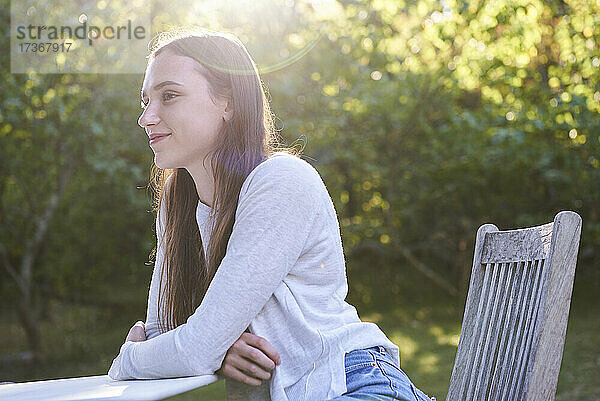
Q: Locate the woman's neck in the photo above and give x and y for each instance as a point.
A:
(204, 183)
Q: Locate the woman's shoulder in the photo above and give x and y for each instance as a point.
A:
(285, 170)
(284, 163)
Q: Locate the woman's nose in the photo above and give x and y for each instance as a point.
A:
(148, 117)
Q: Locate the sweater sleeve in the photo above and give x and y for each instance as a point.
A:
(151, 323)
(273, 219)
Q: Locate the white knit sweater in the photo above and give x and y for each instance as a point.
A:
(283, 278)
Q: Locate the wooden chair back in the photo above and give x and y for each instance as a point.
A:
(515, 319)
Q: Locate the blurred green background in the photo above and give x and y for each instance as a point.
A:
(424, 118)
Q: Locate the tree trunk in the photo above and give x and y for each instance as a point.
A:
(27, 317)
(24, 278)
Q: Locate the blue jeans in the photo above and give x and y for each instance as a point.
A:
(371, 374)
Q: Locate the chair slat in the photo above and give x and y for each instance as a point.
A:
(533, 320)
(526, 334)
(472, 355)
(520, 279)
(485, 323)
(514, 339)
(483, 378)
(504, 333)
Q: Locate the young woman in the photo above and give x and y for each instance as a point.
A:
(249, 279)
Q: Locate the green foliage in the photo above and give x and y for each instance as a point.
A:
(78, 129)
(429, 119)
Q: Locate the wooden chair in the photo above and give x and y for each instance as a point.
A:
(515, 320)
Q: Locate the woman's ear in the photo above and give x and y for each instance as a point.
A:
(228, 113)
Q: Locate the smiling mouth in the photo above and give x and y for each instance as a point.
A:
(156, 138)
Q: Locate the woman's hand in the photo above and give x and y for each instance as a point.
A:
(250, 359)
(137, 332)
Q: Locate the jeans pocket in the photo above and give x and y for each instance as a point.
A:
(362, 372)
(357, 359)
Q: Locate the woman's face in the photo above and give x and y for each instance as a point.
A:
(180, 117)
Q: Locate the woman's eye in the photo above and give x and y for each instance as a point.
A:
(168, 96)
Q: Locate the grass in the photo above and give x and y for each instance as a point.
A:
(82, 341)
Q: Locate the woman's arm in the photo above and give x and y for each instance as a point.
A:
(152, 310)
(273, 219)
(249, 360)
(151, 323)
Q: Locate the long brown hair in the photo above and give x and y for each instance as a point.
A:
(242, 143)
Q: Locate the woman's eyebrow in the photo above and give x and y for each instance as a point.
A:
(160, 85)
